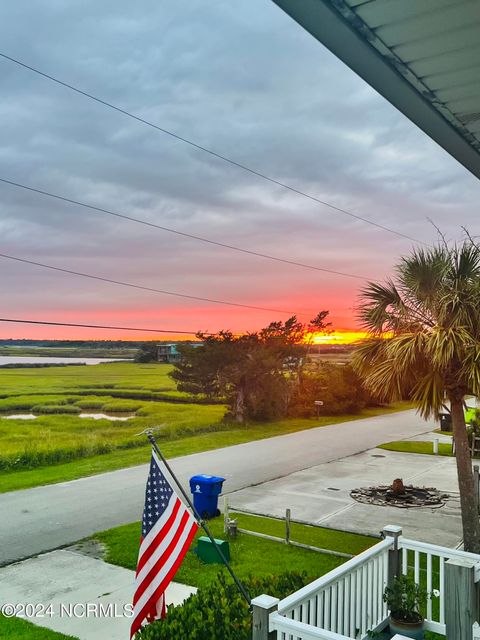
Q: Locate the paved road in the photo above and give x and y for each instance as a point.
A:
(44, 518)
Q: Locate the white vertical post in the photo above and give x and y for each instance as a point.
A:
(262, 607)
(476, 631)
(394, 567)
(226, 515)
(435, 446)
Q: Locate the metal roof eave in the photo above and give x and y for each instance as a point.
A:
(328, 26)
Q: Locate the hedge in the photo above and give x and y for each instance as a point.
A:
(219, 611)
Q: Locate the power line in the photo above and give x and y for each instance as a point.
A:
(96, 326)
(204, 149)
(116, 214)
(143, 288)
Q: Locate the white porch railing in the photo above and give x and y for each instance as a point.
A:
(426, 563)
(347, 603)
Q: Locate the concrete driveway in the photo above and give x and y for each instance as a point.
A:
(321, 494)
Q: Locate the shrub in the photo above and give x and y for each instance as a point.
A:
(338, 386)
(219, 612)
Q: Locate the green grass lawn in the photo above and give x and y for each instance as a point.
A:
(18, 629)
(321, 537)
(417, 446)
(60, 445)
(249, 555)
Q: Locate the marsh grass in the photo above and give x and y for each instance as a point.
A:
(59, 437)
(55, 408)
(121, 406)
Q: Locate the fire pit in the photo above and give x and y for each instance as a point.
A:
(399, 495)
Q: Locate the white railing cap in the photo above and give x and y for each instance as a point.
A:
(392, 530)
(435, 549)
(264, 601)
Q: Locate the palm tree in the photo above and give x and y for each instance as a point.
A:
(424, 338)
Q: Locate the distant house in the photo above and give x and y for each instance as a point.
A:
(169, 353)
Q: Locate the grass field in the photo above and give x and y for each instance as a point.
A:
(249, 555)
(59, 445)
(58, 395)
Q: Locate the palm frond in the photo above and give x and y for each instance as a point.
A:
(470, 369)
(429, 393)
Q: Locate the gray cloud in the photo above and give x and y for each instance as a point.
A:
(244, 80)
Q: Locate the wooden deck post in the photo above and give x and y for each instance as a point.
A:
(394, 563)
(461, 598)
(262, 607)
(476, 481)
(287, 526)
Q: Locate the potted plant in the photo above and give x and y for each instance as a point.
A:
(405, 599)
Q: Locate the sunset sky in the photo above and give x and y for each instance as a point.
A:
(246, 81)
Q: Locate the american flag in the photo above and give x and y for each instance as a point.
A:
(167, 531)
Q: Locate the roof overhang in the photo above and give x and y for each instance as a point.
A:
(354, 36)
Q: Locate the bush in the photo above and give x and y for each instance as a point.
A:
(338, 386)
(219, 611)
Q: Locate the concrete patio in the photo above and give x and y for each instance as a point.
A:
(321, 494)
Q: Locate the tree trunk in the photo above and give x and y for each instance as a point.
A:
(239, 404)
(468, 502)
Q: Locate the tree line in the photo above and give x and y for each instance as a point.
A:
(266, 374)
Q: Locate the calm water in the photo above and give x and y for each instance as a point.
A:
(53, 359)
(95, 416)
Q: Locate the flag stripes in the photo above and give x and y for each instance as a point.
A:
(167, 532)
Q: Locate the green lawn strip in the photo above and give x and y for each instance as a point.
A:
(19, 629)
(24, 479)
(249, 555)
(417, 446)
(314, 536)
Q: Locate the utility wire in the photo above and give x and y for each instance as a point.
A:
(116, 214)
(143, 288)
(96, 326)
(200, 147)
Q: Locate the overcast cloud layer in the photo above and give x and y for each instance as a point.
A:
(245, 80)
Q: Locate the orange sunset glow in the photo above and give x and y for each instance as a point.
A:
(338, 337)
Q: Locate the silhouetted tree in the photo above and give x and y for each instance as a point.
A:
(254, 373)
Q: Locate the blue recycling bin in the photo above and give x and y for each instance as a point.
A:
(205, 490)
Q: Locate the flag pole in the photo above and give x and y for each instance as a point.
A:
(201, 522)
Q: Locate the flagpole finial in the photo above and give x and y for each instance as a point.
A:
(149, 431)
